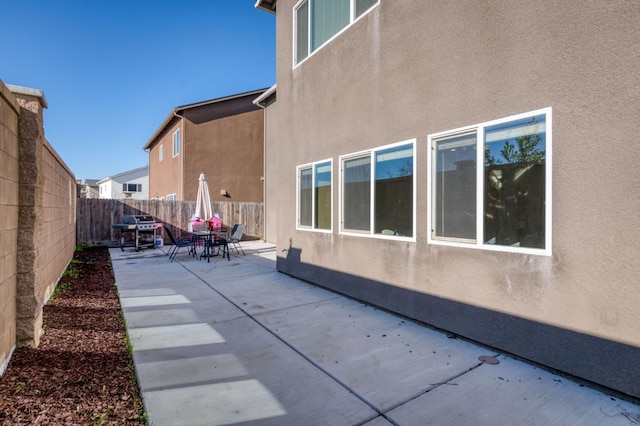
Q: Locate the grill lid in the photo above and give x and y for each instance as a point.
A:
(131, 219)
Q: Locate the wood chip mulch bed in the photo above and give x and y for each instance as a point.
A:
(82, 373)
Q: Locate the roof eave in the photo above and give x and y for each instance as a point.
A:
(160, 129)
(266, 5)
(177, 112)
(263, 100)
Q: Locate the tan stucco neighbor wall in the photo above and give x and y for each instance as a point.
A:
(9, 189)
(229, 150)
(165, 176)
(413, 68)
(222, 138)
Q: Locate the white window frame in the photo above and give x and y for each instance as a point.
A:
(372, 181)
(171, 197)
(126, 187)
(352, 19)
(161, 152)
(176, 143)
(480, 190)
(313, 197)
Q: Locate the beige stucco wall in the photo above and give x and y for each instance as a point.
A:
(272, 165)
(412, 68)
(9, 178)
(230, 151)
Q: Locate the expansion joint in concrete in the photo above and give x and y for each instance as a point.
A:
(296, 350)
(433, 386)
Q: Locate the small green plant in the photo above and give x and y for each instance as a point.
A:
(21, 386)
(126, 335)
(63, 286)
(104, 388)
(98, 418)
(140, 413)
(71, 272)
(81, 247)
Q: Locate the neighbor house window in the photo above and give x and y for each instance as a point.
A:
(317, 21)
(171, 197)
(160, 152)
(176, 142)
(491, 184)
(314, 196)
(378, 191)
(131, 187)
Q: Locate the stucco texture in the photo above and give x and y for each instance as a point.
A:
(413, 68)
(230, 151)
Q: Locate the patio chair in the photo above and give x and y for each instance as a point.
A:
(176, 244)
(218, 244)
(236, 237)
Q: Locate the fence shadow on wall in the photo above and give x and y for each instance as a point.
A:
(95, 217)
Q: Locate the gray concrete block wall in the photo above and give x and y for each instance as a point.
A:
(58, 242)
(29, 299)
(8, 222)
(37, 224)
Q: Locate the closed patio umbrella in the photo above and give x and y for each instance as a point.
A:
(203, 201)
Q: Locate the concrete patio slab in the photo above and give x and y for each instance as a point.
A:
(384, 359)
(235, 342)
(513, 393)
(378, 421)
(240, 372)
(160, 292)
(268, 290)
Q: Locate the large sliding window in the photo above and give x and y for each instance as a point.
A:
(491, 185)
(317, 21)
(378, 191)
(315, 195)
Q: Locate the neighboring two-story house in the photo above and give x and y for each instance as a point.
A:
(471, 165)
(133, 184)
(222, 138)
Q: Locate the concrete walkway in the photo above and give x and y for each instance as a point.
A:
(236, 342)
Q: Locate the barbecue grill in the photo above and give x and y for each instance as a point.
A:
(143, 228)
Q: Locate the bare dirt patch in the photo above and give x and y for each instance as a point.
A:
(82, 372)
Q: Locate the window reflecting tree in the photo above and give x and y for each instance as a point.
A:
(515, 183)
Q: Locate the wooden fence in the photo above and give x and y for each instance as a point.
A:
(95, 217)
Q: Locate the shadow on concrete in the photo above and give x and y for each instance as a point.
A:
(599, 361)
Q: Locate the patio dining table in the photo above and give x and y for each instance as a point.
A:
(210, 239)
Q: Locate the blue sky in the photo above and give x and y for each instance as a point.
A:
(111, 71)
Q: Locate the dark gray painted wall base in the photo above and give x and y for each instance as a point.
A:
(604, 362)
